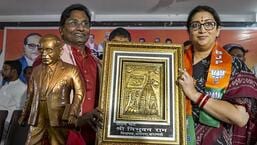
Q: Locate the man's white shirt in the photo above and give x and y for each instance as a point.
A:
(12, 97)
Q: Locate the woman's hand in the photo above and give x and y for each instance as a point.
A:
(187, 83)
(244, 115)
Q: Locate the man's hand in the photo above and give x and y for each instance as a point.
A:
(93, 119)
(70, 122)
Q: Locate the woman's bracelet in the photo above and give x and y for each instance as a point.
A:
(199, 100)
(204, 101)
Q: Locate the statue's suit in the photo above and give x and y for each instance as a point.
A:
(49, 93)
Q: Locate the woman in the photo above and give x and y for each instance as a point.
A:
(221, 92)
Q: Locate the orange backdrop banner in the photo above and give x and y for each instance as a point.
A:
(14, 37)
(247, 37)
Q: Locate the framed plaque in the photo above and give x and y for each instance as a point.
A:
(140, 100)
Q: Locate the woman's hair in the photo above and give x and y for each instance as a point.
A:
(203, 9)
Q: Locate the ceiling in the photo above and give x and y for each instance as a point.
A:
(126, 10)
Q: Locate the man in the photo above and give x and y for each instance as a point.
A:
(102, 45)
(13, 92)
(141, 40)
(187, 44)
(120, 35)
(27, 72)
(48, 100)
(168, 41)
(236, 50)
(254, 70)
(31, 44)
(75, 30)
(157, 40)
(1, 65)
(92, 45)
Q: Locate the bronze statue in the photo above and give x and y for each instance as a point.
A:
(48, 97)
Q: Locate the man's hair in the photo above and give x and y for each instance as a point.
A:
(120, 32)
(187, 43)
(25, 41)
(168, 39)
(66, 13)
(231, 46)
(141, 38)
(14, 64)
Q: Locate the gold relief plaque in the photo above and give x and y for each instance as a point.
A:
(142, 91)
(140, 100)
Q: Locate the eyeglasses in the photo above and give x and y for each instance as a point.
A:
(33, 46)
(207, 26)
(47, 50)
(75, 23)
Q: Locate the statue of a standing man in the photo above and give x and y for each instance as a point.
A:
(49, 91)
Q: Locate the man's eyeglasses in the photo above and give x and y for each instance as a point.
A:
(207, 25)
(75, 23)
(32, 45)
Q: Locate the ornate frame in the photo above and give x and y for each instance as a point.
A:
(140, 100)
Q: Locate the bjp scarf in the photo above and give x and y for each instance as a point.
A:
(218, 77)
